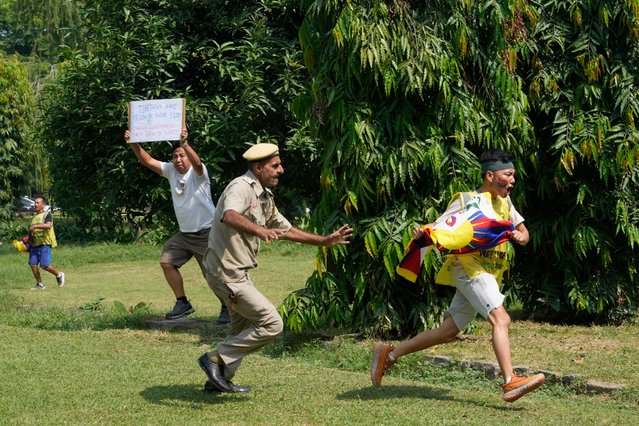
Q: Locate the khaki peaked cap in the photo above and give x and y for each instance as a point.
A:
(260, 151)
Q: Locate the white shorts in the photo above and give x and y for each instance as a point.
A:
(474, 295)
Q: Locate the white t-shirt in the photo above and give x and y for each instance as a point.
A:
(191, 194)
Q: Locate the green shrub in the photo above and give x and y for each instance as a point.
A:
(92, 315)
(12, 230)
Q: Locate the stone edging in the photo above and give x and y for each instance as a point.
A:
(490, 369)
(492, 372)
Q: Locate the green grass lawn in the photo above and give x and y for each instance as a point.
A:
(64, 365)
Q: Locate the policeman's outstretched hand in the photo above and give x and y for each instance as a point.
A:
(340, 236)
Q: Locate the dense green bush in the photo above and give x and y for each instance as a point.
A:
(395, 100)
(237, 64)
(12, 230)
(16, 113)
(582, 182)
(405, 95)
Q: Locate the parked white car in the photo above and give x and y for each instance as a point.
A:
(28, 205)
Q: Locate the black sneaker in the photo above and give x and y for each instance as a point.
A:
(224, 317)
(180, 309)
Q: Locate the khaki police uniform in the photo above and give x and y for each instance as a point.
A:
(232, 254)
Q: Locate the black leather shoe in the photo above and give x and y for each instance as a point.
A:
(213, 373)
(209, 387)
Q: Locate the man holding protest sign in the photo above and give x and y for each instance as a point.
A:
(194, 210)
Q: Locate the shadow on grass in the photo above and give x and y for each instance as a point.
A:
(98, 315)
(210, 333)
(290, 343)
(174, 395)
(389, 392)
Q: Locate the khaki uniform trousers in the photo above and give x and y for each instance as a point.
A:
(254, 321)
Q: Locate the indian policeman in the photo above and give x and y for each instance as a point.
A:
(246, 214)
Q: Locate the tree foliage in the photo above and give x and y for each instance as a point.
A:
(582, 187)
(39, 27)
(16, 108)
(34, 30)
(403, 97)
(237, 64)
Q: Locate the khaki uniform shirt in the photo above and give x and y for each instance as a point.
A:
(231, 254)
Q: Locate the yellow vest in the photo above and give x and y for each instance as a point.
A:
(493, 260)
(42, 237)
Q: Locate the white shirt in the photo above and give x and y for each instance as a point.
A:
(191, 194)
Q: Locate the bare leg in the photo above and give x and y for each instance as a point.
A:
(51, 270)
(442, 334)
(36, 273)
(174, 278)
(500, 322)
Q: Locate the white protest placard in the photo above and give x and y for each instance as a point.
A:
(156, 120)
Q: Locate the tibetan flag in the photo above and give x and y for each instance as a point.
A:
(472, 229)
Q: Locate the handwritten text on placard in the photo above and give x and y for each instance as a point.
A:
(156, 120)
